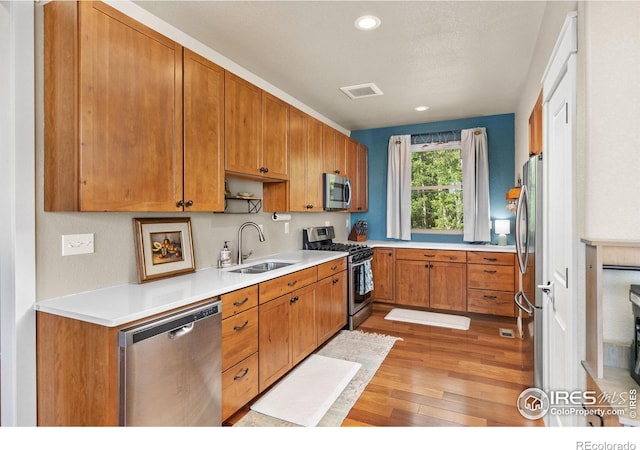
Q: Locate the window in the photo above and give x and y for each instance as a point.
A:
(436, 187)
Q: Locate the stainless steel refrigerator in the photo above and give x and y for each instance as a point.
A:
(528, 236)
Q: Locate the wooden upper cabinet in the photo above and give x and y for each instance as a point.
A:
(334, 153)
(257, 126)
(535, 128)
(275, 137)
(203, 134)
(243, 126)
(351, 156)
(305, 183)
(113, 112)
(358, 172)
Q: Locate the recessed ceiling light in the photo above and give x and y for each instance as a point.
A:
(367, 23)
(421, 108)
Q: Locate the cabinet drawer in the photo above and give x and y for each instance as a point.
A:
(288, 283)
(502, 259)
(490, 302)
(431, 255)
(494, 278)
(239, 337)
(239, 385)
(237, 301)
(332, 267)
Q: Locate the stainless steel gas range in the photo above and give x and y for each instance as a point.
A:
(360, 284)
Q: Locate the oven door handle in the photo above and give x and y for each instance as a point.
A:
(360, 263)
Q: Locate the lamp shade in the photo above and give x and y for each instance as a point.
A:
(503, 226)
(513, 193)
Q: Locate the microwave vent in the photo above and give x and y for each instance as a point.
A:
(361, 91)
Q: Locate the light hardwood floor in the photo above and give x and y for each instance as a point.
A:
(444, 377)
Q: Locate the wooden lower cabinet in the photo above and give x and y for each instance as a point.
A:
(239, 385)
(383, 266)
(432, 284)
(491, 283)
(287, 333)
(331, 306)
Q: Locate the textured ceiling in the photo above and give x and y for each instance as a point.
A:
(462, 59)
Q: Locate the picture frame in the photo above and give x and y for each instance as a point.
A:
(164, 247)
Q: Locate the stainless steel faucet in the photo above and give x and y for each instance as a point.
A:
(242, 227)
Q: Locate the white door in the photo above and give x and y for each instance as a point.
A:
(560, 309)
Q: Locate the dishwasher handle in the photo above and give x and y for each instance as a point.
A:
(178, 332)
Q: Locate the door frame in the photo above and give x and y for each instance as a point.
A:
(17, 226)
(563, 63)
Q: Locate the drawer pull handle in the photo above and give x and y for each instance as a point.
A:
(334, 267)
(490, 297)
(490, 271)
(241, 376)
(490, 259)
(429, 256)
(294, 299)
(336, 280)
(292, 283)
(240, 327)
(241, 302)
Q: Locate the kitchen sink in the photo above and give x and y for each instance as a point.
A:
(262, 267)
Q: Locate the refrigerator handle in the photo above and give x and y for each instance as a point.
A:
(522, 251)
(529, 307)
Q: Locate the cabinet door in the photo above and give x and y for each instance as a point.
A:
(412, 283)
(314, 165)
(340, 160)
(130, 114)
(275, 140)
(298, 160)
(448, 286)
(383, 274)
(203, 134)
(303, 323)
(331, 305)
(243, 126)
(362, 179)
(328, 149)
(535, 128)
(274, 340)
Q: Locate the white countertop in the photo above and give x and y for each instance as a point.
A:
(117, 305)
(441, 246)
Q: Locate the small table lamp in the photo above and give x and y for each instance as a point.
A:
(503, 227)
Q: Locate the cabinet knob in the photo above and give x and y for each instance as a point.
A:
(264, 169)
(294, 299)
(180, 203)
(309, 206)
(336, 280)
(189, 203)
(337, 172)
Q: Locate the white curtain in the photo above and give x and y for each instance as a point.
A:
(399, 188)
(475, 185)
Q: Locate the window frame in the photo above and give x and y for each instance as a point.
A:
(432, 147)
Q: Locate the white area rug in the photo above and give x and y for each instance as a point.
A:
(429, 318)
(306, 393)
(367, 349)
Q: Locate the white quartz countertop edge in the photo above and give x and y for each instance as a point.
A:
(117, 305)
(441, 246)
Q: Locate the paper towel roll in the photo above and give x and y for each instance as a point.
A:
(280, 217)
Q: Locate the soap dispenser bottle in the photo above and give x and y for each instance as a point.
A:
(225, 255)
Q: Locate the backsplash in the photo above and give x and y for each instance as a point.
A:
(114, 260)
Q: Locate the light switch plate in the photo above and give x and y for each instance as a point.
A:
(77, 244)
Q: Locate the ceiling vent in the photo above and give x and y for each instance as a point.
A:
(361, 91)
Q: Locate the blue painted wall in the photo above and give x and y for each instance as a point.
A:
(501, 142)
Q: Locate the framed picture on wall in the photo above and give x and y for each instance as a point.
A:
(164, 248)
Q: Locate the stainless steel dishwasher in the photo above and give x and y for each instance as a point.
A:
(171, 368)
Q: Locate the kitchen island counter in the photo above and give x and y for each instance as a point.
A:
(116, 305)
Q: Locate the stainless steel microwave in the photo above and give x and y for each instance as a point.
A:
(337, 192)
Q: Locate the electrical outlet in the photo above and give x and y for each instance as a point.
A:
(346, 224)
(77, 244)
(286, 228)
(327, 223)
